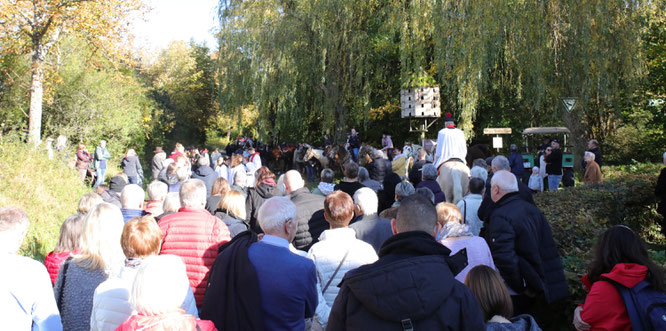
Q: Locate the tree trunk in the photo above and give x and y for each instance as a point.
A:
(577, 139)
(36, 97)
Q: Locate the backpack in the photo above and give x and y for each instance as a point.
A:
(646, 307)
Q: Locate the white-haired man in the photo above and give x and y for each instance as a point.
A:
(523, 248)
(205, 173)
(487, 206)
(251, 274)
(194, 234)
(131, 200)
(310, 217)
(26, 298)
(157, 192)
(593, 147)
(592, 169)
(369, 226)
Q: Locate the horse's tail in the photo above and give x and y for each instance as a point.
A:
(457, 185)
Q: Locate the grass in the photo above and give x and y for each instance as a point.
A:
(47, 190)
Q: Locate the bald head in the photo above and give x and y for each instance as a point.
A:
(293, 181)
(416, 213)
(502, 183)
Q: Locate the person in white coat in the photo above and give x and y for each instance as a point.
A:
(141, 238)
(451, 143)
(337, 251)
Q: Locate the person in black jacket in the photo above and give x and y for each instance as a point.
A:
(379, 168)
(354, 144)
(553, 160)
(232, 212)
(310, 217)
(350, 183)
(487, 205)
(660, 192)
(264, 189)
(412, 285)
(205, 173)
(523, 248)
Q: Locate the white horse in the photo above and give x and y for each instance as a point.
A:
(318, 154)
(453, 178)
(411, 150)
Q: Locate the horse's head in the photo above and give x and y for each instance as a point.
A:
(309, 153)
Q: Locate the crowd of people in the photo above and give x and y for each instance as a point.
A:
(223, 243)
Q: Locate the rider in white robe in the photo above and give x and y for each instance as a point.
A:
(450, 143)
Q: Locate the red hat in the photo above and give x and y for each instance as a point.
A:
(449, 118)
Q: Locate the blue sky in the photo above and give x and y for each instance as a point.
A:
(176, 20)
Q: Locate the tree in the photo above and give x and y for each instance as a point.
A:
(90, 103)
(183, 85)
(35, 26)
(313, 65)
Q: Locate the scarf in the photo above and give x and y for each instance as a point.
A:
(326, 188)
(269, 181)
(453, 229)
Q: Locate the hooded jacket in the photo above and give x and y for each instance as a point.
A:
(255, 198)
(400, 165)
(411, 285)
(604, 308)
(207, 175)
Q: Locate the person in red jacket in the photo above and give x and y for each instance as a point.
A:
(194, 234)
(620, 255)
(68, 244)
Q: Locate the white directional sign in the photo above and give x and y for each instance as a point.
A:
(569, 103)
(497, 142)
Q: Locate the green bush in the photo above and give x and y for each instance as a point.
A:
(579, 214)
(47, 190)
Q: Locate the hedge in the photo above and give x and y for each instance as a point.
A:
(579, 214)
